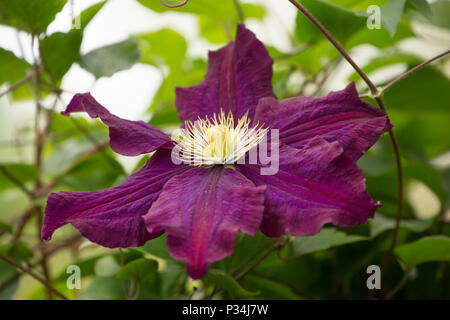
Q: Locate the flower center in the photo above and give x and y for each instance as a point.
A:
(217, 140)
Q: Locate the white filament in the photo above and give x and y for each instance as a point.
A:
(217, 140)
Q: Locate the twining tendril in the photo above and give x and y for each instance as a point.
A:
(174, 5)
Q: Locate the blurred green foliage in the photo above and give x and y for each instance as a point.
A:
(331, 264)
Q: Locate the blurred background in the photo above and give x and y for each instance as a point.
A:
(131, 54)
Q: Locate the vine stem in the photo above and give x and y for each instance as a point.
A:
(44, 190)
(253, 265)
(174, 5)
(48, 187)
(32, 274)
(23, 221)
(341, 50)
(293, 52)
(380, 102)
(40, 137)
(253, 256)
(278, 245)
(239, 11)
(403, 76)
(274, 246)
(16, 85)
(400, 285)
(406, 74)
(16, 181)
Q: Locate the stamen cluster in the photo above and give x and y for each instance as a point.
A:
(218, 140)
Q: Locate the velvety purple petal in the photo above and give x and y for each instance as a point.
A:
(238, 76)
(112, 217)
(340, 116)
(129, 138)
(314, 186)
(201, 210)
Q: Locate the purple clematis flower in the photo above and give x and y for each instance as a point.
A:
(201, 207)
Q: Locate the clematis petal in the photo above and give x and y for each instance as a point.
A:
(112, 217)
(238, 76)
(314, 186)
(340, 116)
(201, 210)
(129, 138)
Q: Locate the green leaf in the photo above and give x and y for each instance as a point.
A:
(106, 266)
(9, 288)
(245, 246)
(164, 47)
(142, 270)
(13, 202)
(97, 172)
(375, 163)
(166, 116)
(5, 228)
(280, 83)
(250, 10)
(434, 248)
(62, 155)
(382, 188)
(88, 14)
(165, 96)
(391, 14)
(411, 94)
(313, 59)
(424, 8)
(22, 172)
(156, 247)
(192, 73)
(226, 282)
(212, 31)
(9, 274)
(19, 251)
(445, 174)
(327, 238)
(215, 19)
(30, 15)
(104, 288)
(341, 22)
(270, 289)
(12, 68)
(106, 61)
(441, 11)
(420, 112)
(223, 10)
(41, 293)
(171, 278)
(59, 51)
(428, 175)
(422, 133)
(380, 37)
(89, 266)
(358, 4)
(382, 223)
(218, 32)
(384, 60)
(64, 128)
(145, 273)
